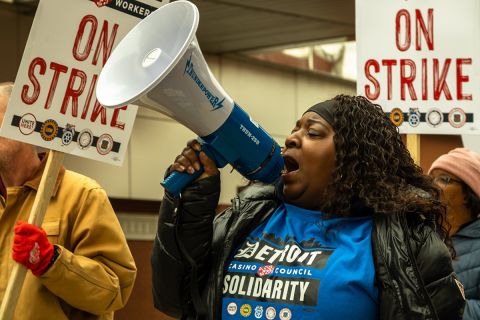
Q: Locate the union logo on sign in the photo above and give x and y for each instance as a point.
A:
(101, 3)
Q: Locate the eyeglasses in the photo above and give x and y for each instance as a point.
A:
(445, 180)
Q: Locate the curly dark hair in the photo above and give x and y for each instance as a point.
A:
(375, 168)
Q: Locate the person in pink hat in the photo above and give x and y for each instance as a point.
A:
(457, 173)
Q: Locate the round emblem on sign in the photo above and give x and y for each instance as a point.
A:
(270, 313)
(258, 312)
(414, 119)
(232, 308)
(27, 124)
(67, 137)
(68, 134)
(434, 117)
(49, 130)
(285, 314)
(457, 117)
(396, 116)
(101, 3)
(245, 310)
(85, 138)
(104, 144)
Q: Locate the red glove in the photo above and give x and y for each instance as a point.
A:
(31, 247)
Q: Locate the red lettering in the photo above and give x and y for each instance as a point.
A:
(402, 46)
(75, 92)
(368, 93)
(114, 123)
(424, 80)
(389, 63)
(439, 82)
(57, 68)
(98, 109)
(421, 28)
(72, 93)
(407, 81)
(36, 85)
(461, 79)
(82, 55)
(381, 74)
(427, 32)
(89, 97)
(104, 43)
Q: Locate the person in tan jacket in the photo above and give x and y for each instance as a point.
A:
(80, 266)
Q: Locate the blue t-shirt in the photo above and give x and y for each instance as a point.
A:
(300, 265)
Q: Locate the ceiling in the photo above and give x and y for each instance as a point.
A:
(232, 26)
(228, 26)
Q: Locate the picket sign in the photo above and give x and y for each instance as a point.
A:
(407, 64)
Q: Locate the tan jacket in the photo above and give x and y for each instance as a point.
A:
(95, 271)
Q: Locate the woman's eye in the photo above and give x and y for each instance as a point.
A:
(443, 179)
(313, 133)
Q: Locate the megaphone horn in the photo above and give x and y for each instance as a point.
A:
(159, 65)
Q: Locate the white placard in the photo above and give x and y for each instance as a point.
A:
(53, 103)
(419, 59)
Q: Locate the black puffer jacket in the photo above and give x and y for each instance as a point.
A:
(413, 267)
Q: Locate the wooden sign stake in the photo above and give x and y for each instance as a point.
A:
(40, 204)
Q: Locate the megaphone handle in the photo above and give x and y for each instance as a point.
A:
(177, 181)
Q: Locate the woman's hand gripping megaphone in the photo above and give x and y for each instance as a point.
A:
(193, 160)
(196, 161)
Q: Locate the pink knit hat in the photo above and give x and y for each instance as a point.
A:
(463, 163)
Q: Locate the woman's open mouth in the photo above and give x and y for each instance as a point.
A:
(290, 166)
